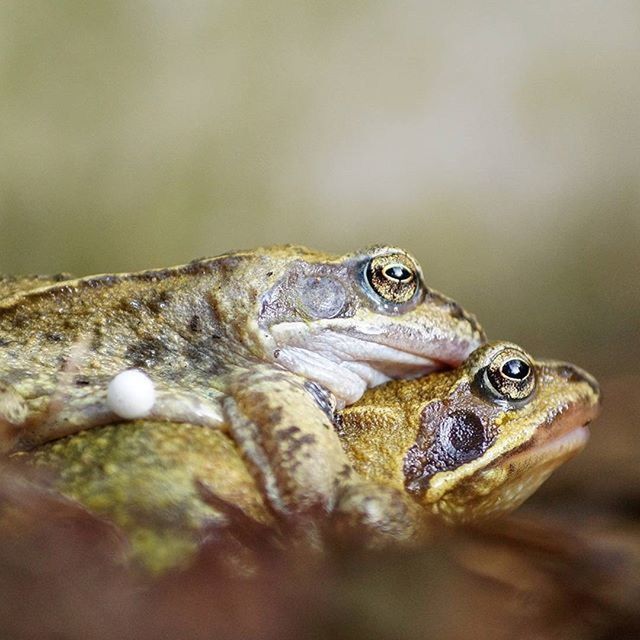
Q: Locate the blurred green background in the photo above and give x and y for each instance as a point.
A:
(500, 142)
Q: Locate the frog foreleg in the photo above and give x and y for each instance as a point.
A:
(287, 439)
(13, 413)
(375, 515)
(72, 408)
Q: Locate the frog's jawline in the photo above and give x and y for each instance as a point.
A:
(348, 380)
(565, 445)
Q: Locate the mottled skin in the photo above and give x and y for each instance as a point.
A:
(262, 343)
(465, 445)
(450, 446)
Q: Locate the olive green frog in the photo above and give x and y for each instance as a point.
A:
(263, 344)
(454, 446)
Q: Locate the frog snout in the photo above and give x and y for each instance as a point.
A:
(456, 311)
(572, 373)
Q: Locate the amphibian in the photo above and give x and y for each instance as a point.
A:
(456, 446)
(264, 343)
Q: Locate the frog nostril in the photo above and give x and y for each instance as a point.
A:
(456, 311)
(571, 373)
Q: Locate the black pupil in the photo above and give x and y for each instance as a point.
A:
(516, 369)
(397, 272)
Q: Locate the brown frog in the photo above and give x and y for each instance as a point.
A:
(454, 446)
(262, 343)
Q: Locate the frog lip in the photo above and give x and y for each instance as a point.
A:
(397, 348)
(557, 448)
(562, 437)
(443, 345)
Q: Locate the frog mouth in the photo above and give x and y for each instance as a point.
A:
(556, 449)
(566, 434)
(440, 349)
(395, 349)
(349, 359)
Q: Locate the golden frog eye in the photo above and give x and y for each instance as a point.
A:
(393, 277)
(510, 376)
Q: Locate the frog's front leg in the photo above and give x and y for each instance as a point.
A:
(376, 515)
(71, 408)
(287, 438)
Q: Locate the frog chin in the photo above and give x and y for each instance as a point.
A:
(346, 365)
(349, 359)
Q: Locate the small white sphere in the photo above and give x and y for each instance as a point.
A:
(131, 394)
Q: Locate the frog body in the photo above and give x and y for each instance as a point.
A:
(453, 446)
(263, 344)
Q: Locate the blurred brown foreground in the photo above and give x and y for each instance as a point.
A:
(531, 576)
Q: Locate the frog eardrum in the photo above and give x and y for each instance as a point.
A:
(509, 376)
(393, 277)
(321, 297)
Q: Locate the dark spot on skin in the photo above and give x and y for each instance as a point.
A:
(466, 435)
(269, 274)
(298, 443)
(456, 310)
(159, 302)
(54, 337)
(81, 381)
(276, 353)
(195, 324)
(345, 472)
(146, 353)
(285, 434)
(444, 444)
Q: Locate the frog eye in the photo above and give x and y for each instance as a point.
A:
(393, 277)
(509, 376)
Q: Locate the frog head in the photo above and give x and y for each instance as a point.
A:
(355, 321)
(476, 441)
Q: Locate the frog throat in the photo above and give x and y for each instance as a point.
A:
(348, 356)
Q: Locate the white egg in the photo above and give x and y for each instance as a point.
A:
(131, 394)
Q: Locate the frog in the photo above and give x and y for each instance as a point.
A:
(264, 344)
(475, 442)
(452, 448)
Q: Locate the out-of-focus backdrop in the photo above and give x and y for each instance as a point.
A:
(500, 142)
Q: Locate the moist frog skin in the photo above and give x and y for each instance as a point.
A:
(455, 446)
(263, 344)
